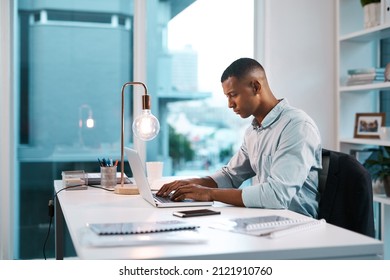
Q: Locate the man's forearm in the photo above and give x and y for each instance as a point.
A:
(229, 196)
(205, 181)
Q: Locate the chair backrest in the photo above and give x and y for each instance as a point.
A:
(345, 187)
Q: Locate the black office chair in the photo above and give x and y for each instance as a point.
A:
(345, 187)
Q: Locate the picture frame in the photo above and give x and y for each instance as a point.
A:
(367, 125)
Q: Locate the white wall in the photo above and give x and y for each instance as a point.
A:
(298, 53)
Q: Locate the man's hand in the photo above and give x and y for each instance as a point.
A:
(185, 189)
(201, 189)
(192, 191)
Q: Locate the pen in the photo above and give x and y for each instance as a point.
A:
(107, 162)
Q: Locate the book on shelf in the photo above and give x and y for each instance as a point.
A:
(369, 70)
(365, 76)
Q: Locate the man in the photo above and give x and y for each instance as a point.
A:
(281, 151)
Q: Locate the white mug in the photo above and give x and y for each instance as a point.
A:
(154, 170)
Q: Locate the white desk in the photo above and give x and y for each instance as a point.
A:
(384, 224)
(99, 206)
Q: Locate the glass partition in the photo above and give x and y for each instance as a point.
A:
(73, 58)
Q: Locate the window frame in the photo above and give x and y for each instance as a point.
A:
(8, 218)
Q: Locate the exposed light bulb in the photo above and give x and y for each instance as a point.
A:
(146, 126)
(90, 123)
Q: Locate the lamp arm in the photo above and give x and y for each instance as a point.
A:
(145, 105)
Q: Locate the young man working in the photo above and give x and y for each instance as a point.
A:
(281, 151)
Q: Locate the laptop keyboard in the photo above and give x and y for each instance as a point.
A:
(162, 199)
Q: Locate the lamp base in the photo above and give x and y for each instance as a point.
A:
(126, 189)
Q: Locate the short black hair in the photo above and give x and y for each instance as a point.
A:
(240, 68)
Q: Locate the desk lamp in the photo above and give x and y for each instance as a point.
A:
(145, 127)
(88, 123)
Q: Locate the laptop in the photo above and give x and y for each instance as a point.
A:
(144, 187)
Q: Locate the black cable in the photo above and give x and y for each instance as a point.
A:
(51, 211)
(47, 237)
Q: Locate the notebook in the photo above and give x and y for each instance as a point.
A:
(261, 225)
(89, 238)
(145, 189)
(298, 228)
(139, 227)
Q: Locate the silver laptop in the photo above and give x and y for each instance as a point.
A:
(144, 188)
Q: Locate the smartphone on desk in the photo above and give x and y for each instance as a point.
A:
(195, 213)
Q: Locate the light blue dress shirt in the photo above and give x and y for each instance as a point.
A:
(282, 156)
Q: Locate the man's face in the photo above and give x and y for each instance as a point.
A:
(241, 95)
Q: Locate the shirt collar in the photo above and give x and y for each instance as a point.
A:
(272, 116)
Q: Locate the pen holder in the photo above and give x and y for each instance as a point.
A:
(108, 176)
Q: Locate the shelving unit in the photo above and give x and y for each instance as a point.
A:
(357, 48)
(384, 210)
(366, 35)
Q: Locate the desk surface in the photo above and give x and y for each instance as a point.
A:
(80, 207)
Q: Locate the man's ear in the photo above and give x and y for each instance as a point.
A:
(256, 87)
